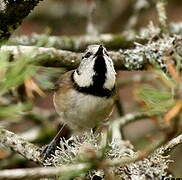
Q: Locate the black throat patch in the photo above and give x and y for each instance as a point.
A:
(99, 79)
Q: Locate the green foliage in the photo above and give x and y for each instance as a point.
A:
(12, 110)
(178, 62)
(14, 73)
(157, 101)
(4, 57)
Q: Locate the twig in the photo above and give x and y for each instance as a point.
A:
(172, 144)
(117, 124)
(76, 43)
(120, 161)
(131, 117)
(161, 10)
(17, 144)
(44, 172)
(120, 111)
(63, 171)
(12, 14)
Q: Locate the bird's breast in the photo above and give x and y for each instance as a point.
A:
(81, 112)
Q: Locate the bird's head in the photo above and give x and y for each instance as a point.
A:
(96, 69)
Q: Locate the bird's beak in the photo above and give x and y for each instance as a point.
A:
(99, 51)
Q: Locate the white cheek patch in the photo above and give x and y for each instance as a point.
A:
(110, 75)
(84, 79)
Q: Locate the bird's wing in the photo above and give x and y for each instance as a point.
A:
(64, 81)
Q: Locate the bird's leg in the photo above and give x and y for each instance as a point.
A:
(47, 150)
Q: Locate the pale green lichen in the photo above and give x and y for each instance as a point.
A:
(70, 152)
(151, 168)
(153, 52)
(134, 59)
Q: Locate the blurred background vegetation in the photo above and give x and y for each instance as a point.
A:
(26, 104)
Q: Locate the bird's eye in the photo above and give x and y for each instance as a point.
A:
(78, 72)
(87, 55)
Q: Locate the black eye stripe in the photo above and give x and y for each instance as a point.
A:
(87, 55)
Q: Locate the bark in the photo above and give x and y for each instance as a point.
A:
(12, 14)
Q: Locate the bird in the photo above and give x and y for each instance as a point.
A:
(84, 97)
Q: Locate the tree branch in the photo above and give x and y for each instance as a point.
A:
(80, 43)
(132, 59)
(12, 14)
(117, 124)
(31, 152)
(56, 58)
(131, 117)
(76, 43)
(19, 145)
(45, 172)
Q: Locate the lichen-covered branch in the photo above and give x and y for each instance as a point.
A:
(75, 43)
(19, 145)
(12, 14)
(120, 157)
(56, 58)
(32, 152)
(153, 53)
(80, 43)
(46, 56)
(154, 166)
(70, 171)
